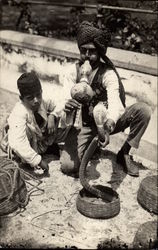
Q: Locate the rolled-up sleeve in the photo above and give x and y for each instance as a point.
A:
(115, 107)
(17, 137)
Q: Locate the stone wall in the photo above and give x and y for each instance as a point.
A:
(68, 50)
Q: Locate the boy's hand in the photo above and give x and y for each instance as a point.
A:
(51, 124)
(44, 165)
(71, 105)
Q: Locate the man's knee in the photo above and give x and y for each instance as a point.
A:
(68, 165)
(144, 111)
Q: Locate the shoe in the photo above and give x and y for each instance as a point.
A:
(129, 167)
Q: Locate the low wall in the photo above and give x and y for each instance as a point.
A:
(50, 58)
(121, 58)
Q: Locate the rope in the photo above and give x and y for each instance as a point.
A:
(19, 196)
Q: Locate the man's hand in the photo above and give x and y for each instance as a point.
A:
(51, 124)
(85, 69)
(109, 125)
(71, 105)
(44, 165)
(104, 143)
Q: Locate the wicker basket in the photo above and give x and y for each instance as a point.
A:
(94, 207)
(148, 194)
(10, 205)
(13, 191)
(146, 236)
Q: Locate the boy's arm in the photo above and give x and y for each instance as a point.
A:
(18, 139)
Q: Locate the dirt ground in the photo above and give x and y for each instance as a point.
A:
(51, 219)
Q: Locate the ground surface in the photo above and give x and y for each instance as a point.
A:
(51, 219)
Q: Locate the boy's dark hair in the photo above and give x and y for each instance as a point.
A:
(28, 84)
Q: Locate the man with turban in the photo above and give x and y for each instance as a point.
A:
(32, 126)
(109, 99)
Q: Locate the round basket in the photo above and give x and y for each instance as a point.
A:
(10, 205)
(97, 208)
(6, 183)
(13, 191)
(148, 194)
(146, 236)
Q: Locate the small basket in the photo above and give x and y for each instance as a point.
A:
(10, 205)
(13, 191)
(97, 208)
(146, 236)
(148, 194)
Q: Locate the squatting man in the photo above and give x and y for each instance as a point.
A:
(108, 102)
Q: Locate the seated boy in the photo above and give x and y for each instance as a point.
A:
(32, 124)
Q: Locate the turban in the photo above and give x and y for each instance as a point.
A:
(28, 84)
(87, 33)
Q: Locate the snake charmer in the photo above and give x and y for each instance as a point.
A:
(108, 99)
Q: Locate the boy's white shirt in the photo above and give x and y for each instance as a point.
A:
(18, 121)
(109, 81)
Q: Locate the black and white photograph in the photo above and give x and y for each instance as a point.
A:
(78, 124)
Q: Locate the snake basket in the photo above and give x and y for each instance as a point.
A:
(97, 208)
(13, 191)
(148, 194)
(146, 237)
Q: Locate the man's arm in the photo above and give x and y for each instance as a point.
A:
(115, 107)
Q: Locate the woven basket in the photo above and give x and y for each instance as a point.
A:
(148, 194)
(146, 236)
(10, 205)
(13, 191)
(97, 208)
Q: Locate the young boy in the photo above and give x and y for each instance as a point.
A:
(32, 124)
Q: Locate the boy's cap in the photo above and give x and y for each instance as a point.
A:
(87, 33)
(28, 83)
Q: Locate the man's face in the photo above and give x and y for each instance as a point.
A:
(89, 52)
(33, 101)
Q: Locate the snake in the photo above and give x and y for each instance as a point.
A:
(92, 189)
(80, 92)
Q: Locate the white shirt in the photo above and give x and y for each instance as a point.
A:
(109, 81)
(20, 118)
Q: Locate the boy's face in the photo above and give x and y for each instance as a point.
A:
(89, 52)
(33, 101)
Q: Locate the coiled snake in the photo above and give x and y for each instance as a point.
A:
(109, 204)
(94, 190)
(95, 201)
(82, 92)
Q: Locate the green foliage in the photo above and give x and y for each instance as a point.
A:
(129, 31)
